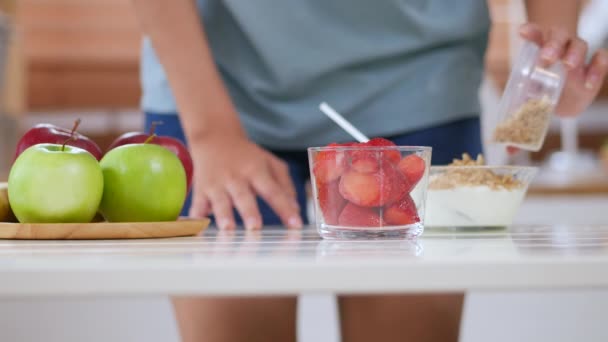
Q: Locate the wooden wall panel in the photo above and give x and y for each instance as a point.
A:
(83, 86)
(84, 53)
(80, 53)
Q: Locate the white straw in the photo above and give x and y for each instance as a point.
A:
(342, 122)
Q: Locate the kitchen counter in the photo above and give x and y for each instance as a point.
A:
(276, 261)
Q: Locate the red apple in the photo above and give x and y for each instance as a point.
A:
(170, 143)
(51, 134)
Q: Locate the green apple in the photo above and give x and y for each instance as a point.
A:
(142, 183)
(51, 183)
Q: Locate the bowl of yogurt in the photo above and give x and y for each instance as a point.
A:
(468, 193)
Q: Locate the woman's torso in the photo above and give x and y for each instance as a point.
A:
(391, 66)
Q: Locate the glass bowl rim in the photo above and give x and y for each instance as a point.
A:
(406, 148)
(523, 171)
(484, 167)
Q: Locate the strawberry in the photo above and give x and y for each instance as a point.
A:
(370, 189)
(370, 160)
(393, 155)
(355, 216)
(330, 201)
(364, 161)
(401, 213)
(400, 186)
(329, 165)
(363, 189)
(412, 167)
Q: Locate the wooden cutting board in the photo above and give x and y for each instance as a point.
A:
(102, 230)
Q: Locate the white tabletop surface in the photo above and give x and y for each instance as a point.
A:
(276, 261)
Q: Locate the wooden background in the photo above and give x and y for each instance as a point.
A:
(83, 55)
(79, 53)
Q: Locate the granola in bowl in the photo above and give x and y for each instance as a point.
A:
(469, 193)
(471, 172)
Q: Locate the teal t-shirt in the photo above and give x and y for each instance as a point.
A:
(389, 66)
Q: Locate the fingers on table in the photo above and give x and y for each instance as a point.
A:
(281, 172)
(200, 206)
(277, 198)
(245, 203)
(222, 208)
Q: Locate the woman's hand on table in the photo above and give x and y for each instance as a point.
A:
(229, 172)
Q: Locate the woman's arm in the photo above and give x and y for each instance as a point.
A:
(550, 13)
(229, 170)
(179, 40)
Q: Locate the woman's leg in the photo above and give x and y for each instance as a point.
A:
(227, 319)
(421, 318)
(202, 319)
(398, 318)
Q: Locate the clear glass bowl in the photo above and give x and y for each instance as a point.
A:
(369, 192)
(476, 196)
(366, 250)
(528, 102)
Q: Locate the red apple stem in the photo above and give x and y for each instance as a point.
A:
(153, 126)
(72, 136)
(150, 138)
(76, 124)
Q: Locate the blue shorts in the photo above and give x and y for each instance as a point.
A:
(448, 141)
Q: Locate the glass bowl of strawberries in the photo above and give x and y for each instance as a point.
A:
(371, 190)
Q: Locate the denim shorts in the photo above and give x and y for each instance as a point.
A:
(447, 140)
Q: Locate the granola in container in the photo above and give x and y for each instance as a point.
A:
(529, 100)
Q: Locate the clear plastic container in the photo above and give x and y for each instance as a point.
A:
(532, 92)
(369, 192)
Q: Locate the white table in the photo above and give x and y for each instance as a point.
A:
(276, 261)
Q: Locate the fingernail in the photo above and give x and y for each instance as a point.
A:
(571, 62)
(252, 223)
(295, 222)
(548, 53)
(223, 224)
(592, 80)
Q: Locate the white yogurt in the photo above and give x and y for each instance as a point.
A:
(472, 206)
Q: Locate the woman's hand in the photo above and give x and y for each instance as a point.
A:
(229, 172)
(583, 80)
